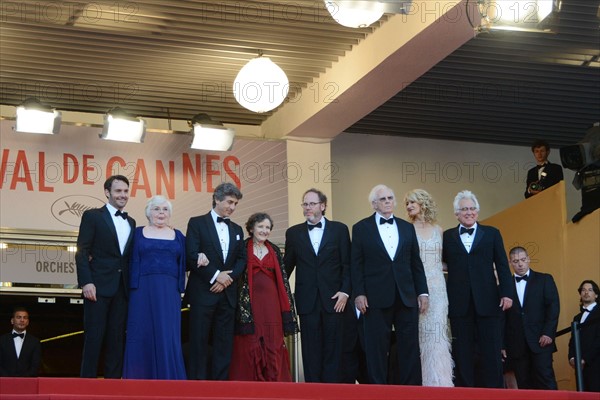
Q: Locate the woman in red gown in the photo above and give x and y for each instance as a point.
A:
(265, 312)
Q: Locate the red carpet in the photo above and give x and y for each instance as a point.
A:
(95, 389)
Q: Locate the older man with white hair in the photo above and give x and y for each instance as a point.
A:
(475, 255)
(389, 283)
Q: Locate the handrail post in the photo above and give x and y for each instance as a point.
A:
(577, 342)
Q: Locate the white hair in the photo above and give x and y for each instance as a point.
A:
(373, 196)
(155, 201)
(465, 194)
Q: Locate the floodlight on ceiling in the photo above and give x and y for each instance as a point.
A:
(261, 85)
(36, 117)
(362, 13)
(210, 134)
(121, 126)
(518, 15)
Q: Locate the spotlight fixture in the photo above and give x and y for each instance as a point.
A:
(363, 13)
(519, 15)
(210, 134)
(121, 126)
(36, 117)
(261, 85)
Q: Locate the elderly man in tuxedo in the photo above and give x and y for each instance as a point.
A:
(20, 351)
(589, 336)
(530, 324)
(388, 280)
(474, 255)
(216, 258)
(102, 258)
(319, 251)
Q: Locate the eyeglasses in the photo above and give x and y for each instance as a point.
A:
(465, 209)
(309, 205)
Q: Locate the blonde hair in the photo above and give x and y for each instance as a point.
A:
(423, 199)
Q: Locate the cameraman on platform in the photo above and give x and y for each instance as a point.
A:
(586, 163)
(545, 173)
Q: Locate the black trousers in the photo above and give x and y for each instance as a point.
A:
(322, 343)
(104, 322)
(216, 321)
(477, 341)
(353, 355)
(534, 371)
(377, 327)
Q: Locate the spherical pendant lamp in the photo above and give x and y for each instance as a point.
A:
(261, 85)
(355, 13)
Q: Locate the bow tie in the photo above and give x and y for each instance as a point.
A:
(15, 334)
(122, 214)
(583, 310)
(224, 220)
(386, 221)
(521, 278)
(466, 230)
(317, 225)
(540, 166)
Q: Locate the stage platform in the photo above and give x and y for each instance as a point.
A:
(96, 389)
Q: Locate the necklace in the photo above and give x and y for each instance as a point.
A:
(260, 249)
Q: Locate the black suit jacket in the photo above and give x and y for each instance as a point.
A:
(472, 274)
(202, 237)
(324, 274)
(538, 316)
(99, 260)
(589, 335)
(377, 276)
(554, 174)
(29, 360)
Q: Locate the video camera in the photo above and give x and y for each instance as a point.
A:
(584, 158)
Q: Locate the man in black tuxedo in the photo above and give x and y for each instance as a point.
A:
(216, 258)
(530, 326)
(589, 336)
(476, 299)
(20, 352)
(389, 283)
(545, 173)
(102, 258)
(319, 250)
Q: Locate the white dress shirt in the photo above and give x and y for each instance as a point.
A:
(541, 171)
(223, 233)
(18, 342)
(585, 314)
(389, 235)
(316, 235)
(121, 225)
(520, 286)
(466, 239)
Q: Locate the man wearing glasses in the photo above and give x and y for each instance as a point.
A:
(319, 250)
(476, 299)
(389, 283)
